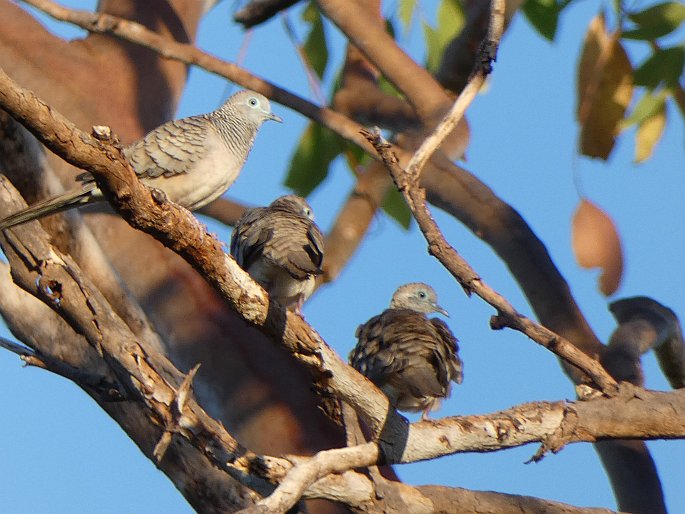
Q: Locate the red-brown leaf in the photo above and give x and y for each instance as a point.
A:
(596, 244)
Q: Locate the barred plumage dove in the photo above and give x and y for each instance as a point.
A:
(193, 160)
(411, 358)
(281, 247)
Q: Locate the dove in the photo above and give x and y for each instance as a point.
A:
(192, 160)
(281, 248)
(411, 358)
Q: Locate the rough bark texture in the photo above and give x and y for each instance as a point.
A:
(233, 328)
(238, 384)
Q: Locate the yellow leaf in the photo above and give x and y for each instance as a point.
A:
(596, 244)
(648, 134)
(605, 88)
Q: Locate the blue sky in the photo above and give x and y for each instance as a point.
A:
(61, 453)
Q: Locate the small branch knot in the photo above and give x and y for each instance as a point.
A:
(158, 195)
(487, 55)
(102, 133)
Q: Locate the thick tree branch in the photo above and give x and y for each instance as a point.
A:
(34, 358)
(354, 219)
(645, 324)
(224, 210)
(359, 96)
(422, 91)
(373, 181)
(259, 11)
(145, 377)
(306, 471)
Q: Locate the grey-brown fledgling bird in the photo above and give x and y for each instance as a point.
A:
(193, 160)
(411, 358)
(281, 247)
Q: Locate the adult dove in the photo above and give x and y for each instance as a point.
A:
(193, 160)
(411, 358)
(281, 248)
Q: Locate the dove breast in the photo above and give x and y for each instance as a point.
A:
(411, 358)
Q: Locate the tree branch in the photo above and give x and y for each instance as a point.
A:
(488, 53)
(258, 11)
(422, 91)
(645, 324)
(224, 210)
(507, 316)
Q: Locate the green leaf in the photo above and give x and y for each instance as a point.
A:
(543, 15)
(450, 20)
(313, 156)
(315, 47)
(406, 12)
(387, 87)
(648, 106)
(433, 47)
(355, 156)
(664, 65)
(649, 133)
(656, 21)
(390, 27)
(395, 207)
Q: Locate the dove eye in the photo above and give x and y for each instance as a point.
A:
(422, 295)
(253, 102)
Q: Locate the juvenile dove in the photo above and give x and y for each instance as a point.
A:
(411, 358)
(193, 160)
(281, 247)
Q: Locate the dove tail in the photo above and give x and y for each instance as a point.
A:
(53, 205)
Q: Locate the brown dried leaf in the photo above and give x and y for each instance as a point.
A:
(605, 87)
(596, 244)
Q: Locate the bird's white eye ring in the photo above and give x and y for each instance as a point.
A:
(422, 294)
(253, 102)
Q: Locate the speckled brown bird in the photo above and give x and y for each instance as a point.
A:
(411, 358)
(281, 248)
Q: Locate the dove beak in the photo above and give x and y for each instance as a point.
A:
(440, 310)
(271, 116)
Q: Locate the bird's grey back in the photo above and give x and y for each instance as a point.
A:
(399, 339)
(171, 149)
(297, 246)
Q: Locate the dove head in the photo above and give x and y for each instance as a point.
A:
(294, 203)
(252, 107)
(418, 297)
